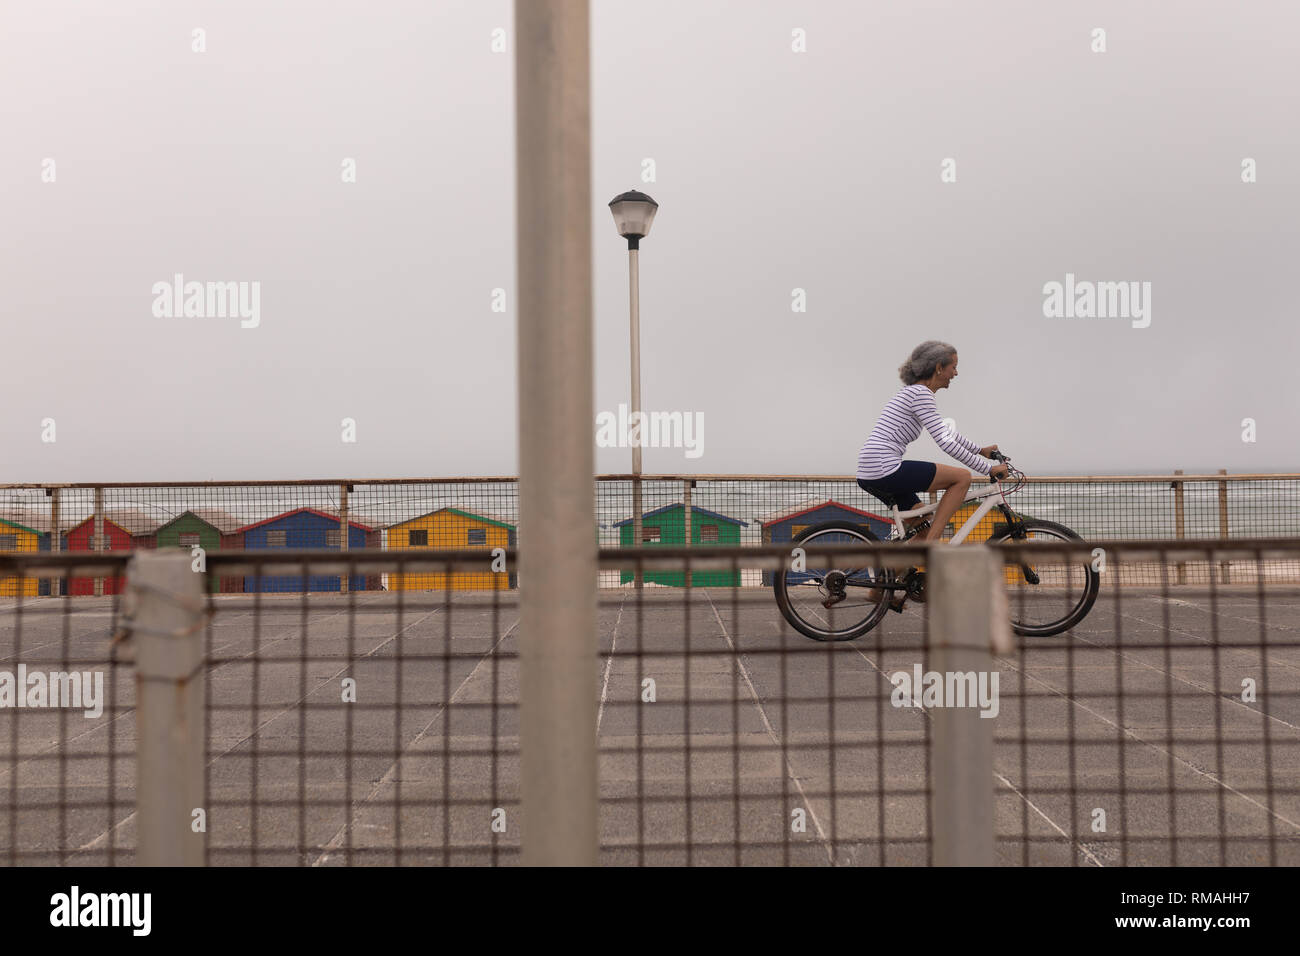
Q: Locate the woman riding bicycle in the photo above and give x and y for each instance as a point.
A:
(881, 469)
(841, 603)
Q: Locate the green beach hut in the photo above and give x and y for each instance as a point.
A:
(206, 527)
(665, 527)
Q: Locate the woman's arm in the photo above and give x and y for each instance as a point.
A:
(963, 449)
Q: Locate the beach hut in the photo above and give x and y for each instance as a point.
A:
(124, 530)
(982, 531)
(784, 526)
(665, 527)
(210, 529)
(304, 528)
(15, 536)
(33, 523)
(452, 529)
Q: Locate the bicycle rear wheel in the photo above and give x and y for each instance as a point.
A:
(803, 596)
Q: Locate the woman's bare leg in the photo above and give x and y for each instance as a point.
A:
(875, 594)
(954, 483)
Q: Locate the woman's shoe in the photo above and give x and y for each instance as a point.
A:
(895, 603)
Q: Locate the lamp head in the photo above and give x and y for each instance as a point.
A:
(633, 214)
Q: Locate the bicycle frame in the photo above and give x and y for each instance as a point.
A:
(993, 496)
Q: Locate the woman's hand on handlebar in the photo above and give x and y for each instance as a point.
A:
(999, 470)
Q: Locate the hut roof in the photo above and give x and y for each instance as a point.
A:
(679, 505)
(333, 515)
(477, 516)
(131, 520)
(220, 519)
(804, 507)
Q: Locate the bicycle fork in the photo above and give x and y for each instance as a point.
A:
(1016, 528)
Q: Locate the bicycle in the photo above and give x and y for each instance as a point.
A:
(812, 600)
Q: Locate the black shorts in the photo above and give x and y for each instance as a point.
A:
(903, 484)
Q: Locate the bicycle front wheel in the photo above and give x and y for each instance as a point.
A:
(1052, 595)
(833, 604)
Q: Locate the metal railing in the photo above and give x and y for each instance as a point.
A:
(748, 510)
(359, 728)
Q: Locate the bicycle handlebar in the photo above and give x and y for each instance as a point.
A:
(1013, 473)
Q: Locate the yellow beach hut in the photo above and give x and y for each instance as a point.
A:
(19, 537)
(451, 529)
(981, 532)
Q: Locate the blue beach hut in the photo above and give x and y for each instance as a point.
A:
(302, 528)
(781, 527)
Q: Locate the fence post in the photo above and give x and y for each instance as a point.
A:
(343, 536)
(1224, 566)
(638, 579)
(686, 526)
(557, 570)
(686, 512)
(56, 545)
(1179, 523)
(97, 535)
(165, 618)
(968, 613)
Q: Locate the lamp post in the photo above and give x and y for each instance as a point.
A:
(633, 213)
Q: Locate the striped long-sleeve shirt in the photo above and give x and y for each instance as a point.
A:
(900, 424)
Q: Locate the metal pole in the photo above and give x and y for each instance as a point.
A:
(687, 578)
(1224, 566)
(1179, 522)
(634, 284)
(97, 535)
(967, 613)
(56, 545)
(343, 534)
(557, 574)
(686, 511)
(165, 623)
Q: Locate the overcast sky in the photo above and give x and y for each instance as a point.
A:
(775, 170)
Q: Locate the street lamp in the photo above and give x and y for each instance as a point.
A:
(633, 213)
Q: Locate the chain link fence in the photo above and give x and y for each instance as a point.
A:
(173, 723)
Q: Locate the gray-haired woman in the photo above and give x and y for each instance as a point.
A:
(881, 466)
